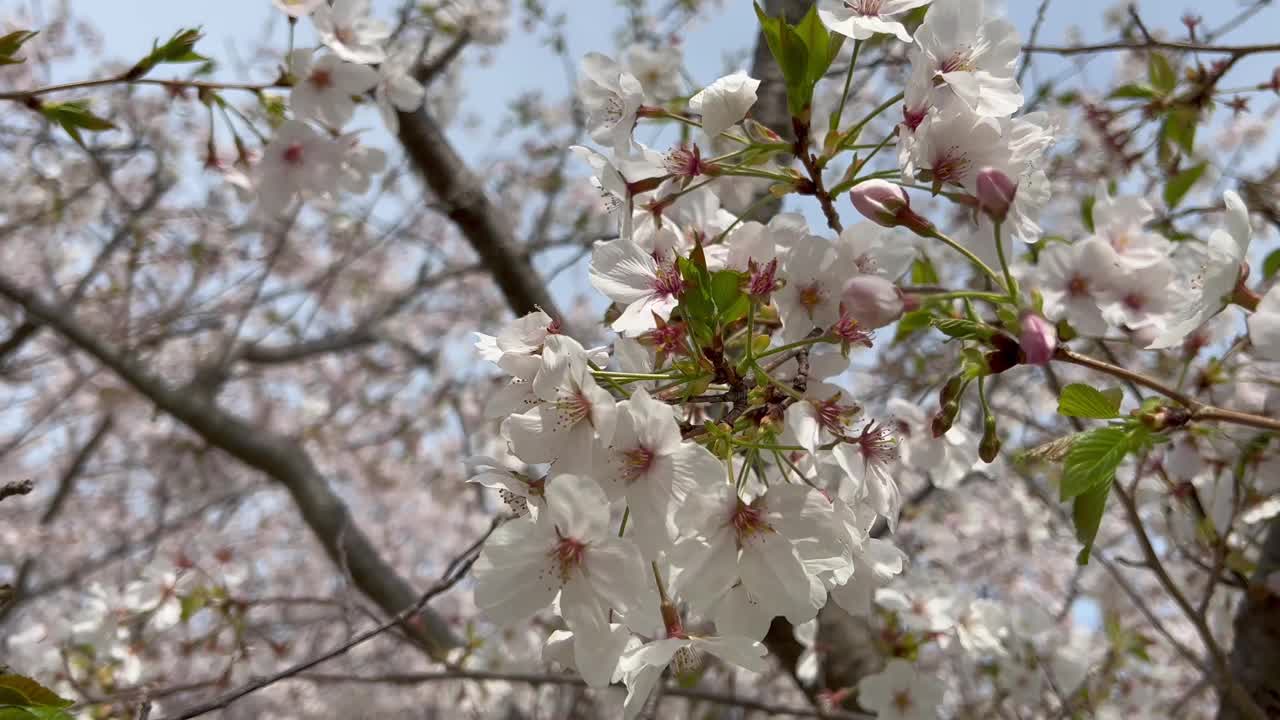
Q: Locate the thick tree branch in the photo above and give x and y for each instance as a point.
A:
(279, 457)
(1255, 657)
(464, 200)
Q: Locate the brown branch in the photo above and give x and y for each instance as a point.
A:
(1232, 692)
(464, 200)
(1256, 653)
(279, 457)
(1199, 411)
(456, 570)
(16, 487)
(1238, 50)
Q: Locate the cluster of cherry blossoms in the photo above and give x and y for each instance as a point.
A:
(311, 155)
(706, 472)
(717, 477)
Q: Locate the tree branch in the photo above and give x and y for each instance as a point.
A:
(1256, 653)
(279, 457)
(454, 572)
(468, 206)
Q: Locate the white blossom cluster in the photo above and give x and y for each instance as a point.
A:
(1127, 277)
(657, 538)
(309, 155)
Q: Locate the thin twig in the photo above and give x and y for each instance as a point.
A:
(456, 570)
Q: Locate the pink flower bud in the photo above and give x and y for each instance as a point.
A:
(996, 191)
(880, 201)
(1038, 339)
(871, 301)
(887, 204)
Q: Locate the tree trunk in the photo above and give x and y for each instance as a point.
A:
(1255, 658)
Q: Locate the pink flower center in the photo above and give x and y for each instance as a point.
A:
(684, 161)
(902, 701)
(913, 118)
(321, 79)
(960, 61)
(763, 279)
(866, 8)
(748, 521)
(1078, 286)
(569, 554)
(667, 338)
(950, 166)
(846, 328)
(572, 407)
(1135, 301)
(667, 281)
(832, 414)
(811, 296)
(293, 154)
(636, 462)
(877, 444)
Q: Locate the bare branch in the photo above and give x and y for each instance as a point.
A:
(279, 457)
(454, 573)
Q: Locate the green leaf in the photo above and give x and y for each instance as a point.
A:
(1160, 73)
(13, 713)
(923, 272)
(1132, 91)
(44, 712)
(803, 52)
(193, 603)
(74, 116)
(1178, 185)
(178, 49)
(911, 323)
(23, 691)
(1086, 211)
(1086, 514)
(823, 45)
(1271, 265)
(1085, 401)
(1093, 459)
(725, 289)
(963, 329)
(1179, 128)
(12, 43)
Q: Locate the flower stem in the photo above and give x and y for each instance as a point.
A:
(844, 96)
(792, 346)
(1009, 282)
(977, 261)
(856, 129)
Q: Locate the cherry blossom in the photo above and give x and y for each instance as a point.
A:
(860, 19)
(724, 102)
(974, 55)
(649, 466)
(900, 692)
(326, 85)
(568, 550)
(611, 96)
(347, 29)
